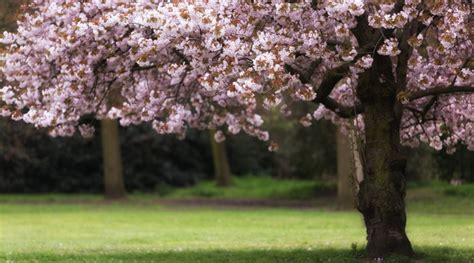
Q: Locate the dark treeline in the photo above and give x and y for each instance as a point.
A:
(31, 161)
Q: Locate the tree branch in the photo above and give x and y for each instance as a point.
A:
(439, 91)
(332, 77)
(341, 110)
(427, 107)
(136, 67)
(304, 75)
(181, 56)
(330, 81)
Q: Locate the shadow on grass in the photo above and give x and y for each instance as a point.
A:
(425, 254)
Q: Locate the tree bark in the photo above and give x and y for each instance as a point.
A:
(381, 197)
(221, 164)
(112, 160)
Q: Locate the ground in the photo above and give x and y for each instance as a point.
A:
(146, 228)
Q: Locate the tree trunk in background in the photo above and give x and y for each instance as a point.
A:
(345, 171)
(349, 169)
(112, 160)
(8, 12)
(221, 164)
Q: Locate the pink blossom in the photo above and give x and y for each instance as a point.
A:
(221, 64)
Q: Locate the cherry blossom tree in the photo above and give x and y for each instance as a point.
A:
(394, 72)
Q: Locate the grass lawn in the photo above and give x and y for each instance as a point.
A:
(81, 228)
(253, 187)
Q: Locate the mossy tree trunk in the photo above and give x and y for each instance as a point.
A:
(222, 172)
(112, 160)
(381, 197)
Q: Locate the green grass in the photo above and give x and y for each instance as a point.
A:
(257, 187)
(84, 228)
(136, 232)
(441, 198)
(243, 188)
(464, 190)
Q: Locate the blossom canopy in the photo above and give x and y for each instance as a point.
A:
(220, 64)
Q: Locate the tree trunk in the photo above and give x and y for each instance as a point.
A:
(113, 178)
(221, 164)
(381, 197)
(345, 189)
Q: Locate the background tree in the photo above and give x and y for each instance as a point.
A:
(396, 72)
(113, 173)
(346, 171)
(349, 168)
(113, 176)
(222, 172)
(8, 11)
(305, 152)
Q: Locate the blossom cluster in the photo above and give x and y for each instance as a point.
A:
(218, 64)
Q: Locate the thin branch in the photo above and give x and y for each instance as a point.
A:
(439, 91)
(136, 68)
(181, 56)
(304, 75)
(427, 107)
